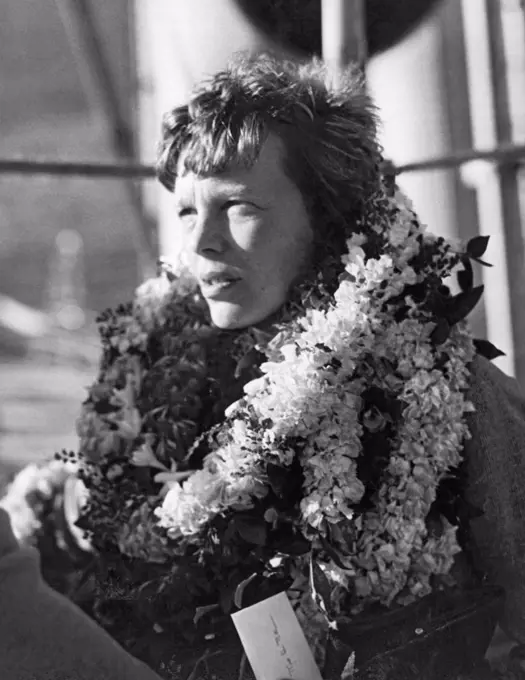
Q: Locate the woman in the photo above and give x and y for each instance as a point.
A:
(207, 489)
(294, 206)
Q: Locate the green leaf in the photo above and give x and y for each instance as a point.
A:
(482, 262)
(462, 304)
(202, 611)
(239, 591)
(441, 360)
(246, 362)
(320, 586)
(343, 534)
(440, 333)
(466, 275)
(333, 553)
(477, 246)
(251, 530)
(348, 672)
(487, 349)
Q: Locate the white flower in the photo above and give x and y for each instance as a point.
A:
(30, 489)
(186, 508)
(252, 388)
(170, 478)
(150, 300)
(144, 457)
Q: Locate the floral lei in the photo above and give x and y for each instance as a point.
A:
(326, 444)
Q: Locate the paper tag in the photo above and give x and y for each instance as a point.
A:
(274, 642)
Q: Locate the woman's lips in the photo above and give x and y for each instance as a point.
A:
(213, 287)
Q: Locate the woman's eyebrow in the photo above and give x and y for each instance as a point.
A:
(234, 189)
(249, 193)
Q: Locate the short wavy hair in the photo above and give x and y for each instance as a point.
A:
(328, 127)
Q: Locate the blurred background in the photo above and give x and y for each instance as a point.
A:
(88, 80)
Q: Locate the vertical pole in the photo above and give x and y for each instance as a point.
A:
(509, 185)
(458, 106)
(90, 61)
(166, 80)
(343, 24)
(483, 177)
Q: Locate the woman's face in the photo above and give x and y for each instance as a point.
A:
(247, 237)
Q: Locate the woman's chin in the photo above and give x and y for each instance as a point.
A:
(227, 316)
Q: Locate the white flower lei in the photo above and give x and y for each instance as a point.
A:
(301, 395)
(318, 370)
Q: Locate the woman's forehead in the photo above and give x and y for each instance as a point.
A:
(265, 176)
(189, 184)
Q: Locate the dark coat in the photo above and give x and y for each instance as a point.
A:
(495, 457)
(43, 636)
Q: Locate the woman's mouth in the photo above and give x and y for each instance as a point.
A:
(215, 286)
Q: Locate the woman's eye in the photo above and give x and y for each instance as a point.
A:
(185, 212)
(240, 207)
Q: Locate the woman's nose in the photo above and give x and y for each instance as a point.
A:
(207, 236)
